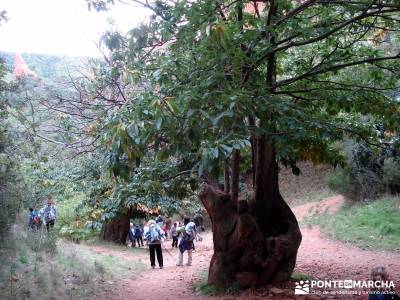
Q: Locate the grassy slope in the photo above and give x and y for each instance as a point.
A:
(309, 186)
(374, 225)
(35, 267)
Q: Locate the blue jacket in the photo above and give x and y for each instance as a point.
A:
(31, 217)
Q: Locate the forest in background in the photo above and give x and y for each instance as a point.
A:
(46, 66)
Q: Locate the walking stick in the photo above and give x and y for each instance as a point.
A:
(166, 250)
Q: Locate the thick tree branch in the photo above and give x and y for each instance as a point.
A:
(335, 68)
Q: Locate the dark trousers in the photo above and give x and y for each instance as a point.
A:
(49, 224)
(175, 242)
(156, 248)
(139, 239)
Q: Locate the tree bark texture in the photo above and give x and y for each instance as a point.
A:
(255, 243)
(116, 230)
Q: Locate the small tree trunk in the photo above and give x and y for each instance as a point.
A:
(253, 142)
(116, 230)
(235, 175)
(254, 244)
(227, 186)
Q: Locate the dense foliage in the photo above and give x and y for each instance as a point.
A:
(178, 96)
(368, 171)
(9, 192)
(207, 76)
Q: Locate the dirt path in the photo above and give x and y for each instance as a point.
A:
(172, 282)
(318, 257)
(327, 259)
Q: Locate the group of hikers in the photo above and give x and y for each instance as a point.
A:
(155, 232)
(47, 216)
(183, 235)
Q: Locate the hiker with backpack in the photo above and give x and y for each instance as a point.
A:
(49, 213)
(139, 235)
(32, 219)
(188, 231)
(380, 274)
(160, 221)
(167, 226)
(131, 235)
(154, 236)
(174, 235)
(198, 220)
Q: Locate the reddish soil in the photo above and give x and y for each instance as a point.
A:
(318, 257)
(327, 259)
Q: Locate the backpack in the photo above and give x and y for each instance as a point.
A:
(32, 216)
(190, 232)
(49, 213)
(36, 220)
(198, 220)
(153, 234)
(138, 232)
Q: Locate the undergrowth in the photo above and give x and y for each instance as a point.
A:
(309, 186)
(36, 265)
(203, 288)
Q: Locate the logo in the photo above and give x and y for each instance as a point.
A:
(348, 284)
(342, 287)
(302, 287)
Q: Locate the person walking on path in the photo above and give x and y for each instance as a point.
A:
(167, 226)
(32, 217)
(131, 235)
(139, 235)
(154, 236)
(188, 231)
(49, 213)
(160, 221)
(198, 220)
(379, 274)
(174, 235)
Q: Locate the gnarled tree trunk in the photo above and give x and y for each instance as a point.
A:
(255, 243)
(116, 230)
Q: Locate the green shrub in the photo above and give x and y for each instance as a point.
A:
(67, 212)
(72, 272)
(338, 180)
(309, 186)
(41, 240)
(73, 220)
(99, 268)
(77, 234)
(85, 275)
(208, 289)
(368, 171)
(301, 276)
(391, 174)
(23, 259)
(204, 288)
(42, 280)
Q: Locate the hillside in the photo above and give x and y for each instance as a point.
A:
(46, 66)
(309, 186)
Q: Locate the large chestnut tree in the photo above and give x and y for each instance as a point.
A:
(219, 84)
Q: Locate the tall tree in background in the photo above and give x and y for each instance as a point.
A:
(10, 198)
(274, 81)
